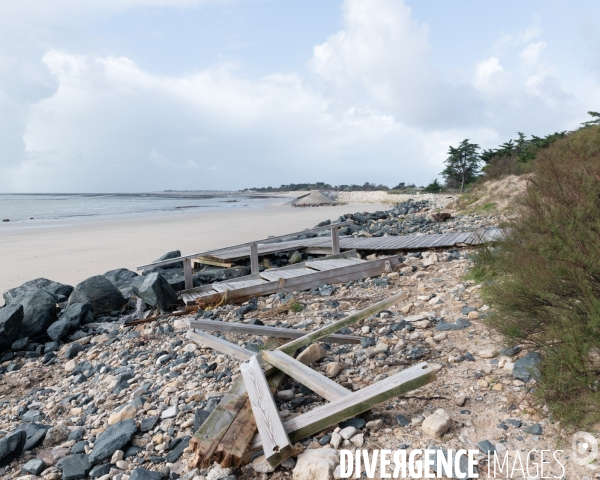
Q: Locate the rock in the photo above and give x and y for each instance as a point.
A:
(217, 472)
(11, 318)
(460, 399)
(73, 350)
(122, 465)
(169, 412)
(535, 429)
(374, 425)
(121, 278)
(32, 416)
(54, 288)
(286, 395)
(148, 423)
(436, 424)
(316, 464)
(59, 329)
(39, 311)
(154, 290)
(358, 440)
(313, 353)
(34, 466)
(526, 368)
(102, 296)
(100, 470)
(333, 368)
(336, 440)
(35, 434)
(11, 447)
(296, 257)
(140, 473)
(358, 423)
(347, 433)
(402, 420)
(115, 437)
(77, 314)
(56, 435)
(288, 463)
(260, 465)
(488, 353)
(486, 447)
(129, 411)
(75, 466)
(460, 324)
(174, 454)
(50, 457)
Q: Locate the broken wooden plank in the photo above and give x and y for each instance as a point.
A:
(351, 405)
(275, 441)
(220, 345)
(277, 332)
(211, 261)
(318, 383)
(221, 422)
(318, 334)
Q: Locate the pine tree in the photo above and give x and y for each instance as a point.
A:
(462, 164)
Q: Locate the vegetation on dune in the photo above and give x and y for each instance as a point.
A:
(543, 279)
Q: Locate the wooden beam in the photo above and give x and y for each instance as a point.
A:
(187, 273)
(220, 345)
(275, 441)
(351, 405)
(318, 383)
(318, 334)
(212, 261)
(335, 240)
(254, 268)
(277, 332)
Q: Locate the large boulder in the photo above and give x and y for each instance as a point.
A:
(154, 289)
(39, 311)
(114, 438)
(55, 288)
(11, 318)
(59, 329)
(77, 314)
(11, 447)
(102, 296)
(165, 268)
(121, 278)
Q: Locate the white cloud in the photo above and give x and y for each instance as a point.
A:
(530, 55)
(490, 78)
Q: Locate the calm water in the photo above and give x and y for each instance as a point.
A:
(32, 208)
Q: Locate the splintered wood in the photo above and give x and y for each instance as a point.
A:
(228, 435)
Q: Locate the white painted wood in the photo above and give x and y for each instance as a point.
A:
(187, 273)
(335, 240)
(220, 345)
(254, 258)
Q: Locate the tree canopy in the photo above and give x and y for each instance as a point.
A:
(462, 165)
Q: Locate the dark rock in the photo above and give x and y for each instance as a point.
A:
(51, 347)
(460, 324)
(34, 466)
(114, 438)
(466, 310)
(77, 314)
(59, 329)
(535, 429)
(73, 350)
(11, 447)
(121, 278)
(325, 439)
(132, 451)
(486, 447)
(75, 466)
(148, 423)
(20, 343)
(526, 368)
(141, 473)
(510, 351)
(100, 470)
(11, 318)
(327, 290)
(34, 434)
(502, 426)
(39, 311)
(170, 256)
(402, 420)
(79, 447)
(32, 416)
(515, 423)
(200, 417)
(154, 290)
(469, 356)
(76, 434)
(102, 296)
(219, 274)
(367, 342)
(255, 321)
(49, 286)
(174, 454)
(358, 423)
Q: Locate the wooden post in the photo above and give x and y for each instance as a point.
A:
(335, 240)
(187, 273)
(254, 258)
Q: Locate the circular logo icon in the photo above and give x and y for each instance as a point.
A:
(585, 448)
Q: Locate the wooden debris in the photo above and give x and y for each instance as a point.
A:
(220, 345)
(277, 332)
(275, 442)
(319, 384)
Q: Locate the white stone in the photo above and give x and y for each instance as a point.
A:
(436, 424)
(347, 433)
(365, 330)
(374, 425)
(336, 440)
(316, 464)
(260, 465)
(460, 399)
(358, 440)
(286, 395)
(333, 368)
(487, 353)
(122, 464)
(117, 456)
(169, 412)
(217, 472)
(313, 353)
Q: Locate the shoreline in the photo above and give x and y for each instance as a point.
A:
(70, 252)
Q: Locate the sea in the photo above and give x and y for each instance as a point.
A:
(23, 209)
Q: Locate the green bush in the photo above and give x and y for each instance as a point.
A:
(543, 279)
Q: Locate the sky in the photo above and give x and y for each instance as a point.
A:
(147, 95)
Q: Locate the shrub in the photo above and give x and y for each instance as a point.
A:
(433, 187)
(543, 279)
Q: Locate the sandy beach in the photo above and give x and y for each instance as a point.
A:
(71, 251)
